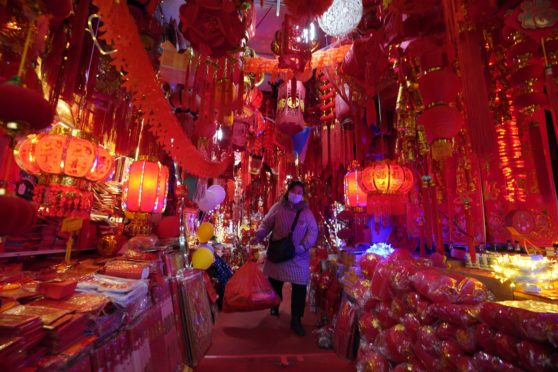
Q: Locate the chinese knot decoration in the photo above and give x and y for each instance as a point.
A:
(355, 196)
(145, 192)
(67, 161)
(387, 184)
(290, 107)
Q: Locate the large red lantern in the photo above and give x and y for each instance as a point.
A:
(145, 191)
(67, 161)
(355, 196)
(387, 184)
(386, 177)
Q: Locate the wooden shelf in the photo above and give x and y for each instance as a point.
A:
(43, 252)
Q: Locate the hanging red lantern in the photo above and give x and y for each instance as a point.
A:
(145, 191)
(441, 123)
(294, 44)
(387, 184)
(355, 196)
(67, 161)
(23, 109)
(290, 107)
(386, 177)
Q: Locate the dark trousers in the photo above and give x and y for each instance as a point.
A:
(298, 296)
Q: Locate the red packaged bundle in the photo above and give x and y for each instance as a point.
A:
(466, 339)
(485, 338)
(438, 260)
(422, 311)
(369, 326)
(408, 367)
(465, 364)
(345, 333)
(522, 319)
(368, 263)
(411, 300)
(400, 280)
(411, 324)
(427, 337)
(534, 356)
(397, 308)
(380, 281)
(373, 362)
(471, 291)
(58, 290)
(395, 344)
(445, 331)
(435, 286)
(461, 315)
(249, 290)
(401, 255)
(360, 290)
(370, 305)
(429, 359)
(490, 363)
(383, 313)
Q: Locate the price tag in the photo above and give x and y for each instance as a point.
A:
(71, 224)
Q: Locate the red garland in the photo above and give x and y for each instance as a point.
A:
(119, 30)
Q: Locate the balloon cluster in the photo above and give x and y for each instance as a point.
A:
(203, 257)
(214, 196)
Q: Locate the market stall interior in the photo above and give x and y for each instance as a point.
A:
(320, 185)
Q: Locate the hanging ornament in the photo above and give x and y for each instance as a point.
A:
(341, 18)
(294, 44)
(67, 161)
(309, 9)
(387, 184)
(145, 192)
(290, 107)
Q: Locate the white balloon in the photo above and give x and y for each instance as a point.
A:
(219, 191)
(207, 203)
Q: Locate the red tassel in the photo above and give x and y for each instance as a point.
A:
(483, 136)
(193, 66)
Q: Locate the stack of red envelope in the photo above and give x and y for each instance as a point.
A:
(19, 332)
(65, 331)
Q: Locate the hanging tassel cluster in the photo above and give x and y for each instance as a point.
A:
(327, 117)
(214, 87)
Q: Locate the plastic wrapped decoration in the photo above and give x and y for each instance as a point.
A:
(216, 27)
(290, 107)
(341, 18)
(294, 45)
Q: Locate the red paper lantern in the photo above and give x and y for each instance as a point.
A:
(441, 123)
(290, 107)
(145, 191)
(64, 152)
(386, 177)
(439, 84)
(355, 197)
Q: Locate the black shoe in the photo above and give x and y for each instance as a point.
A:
(297, 327)
(274, 311)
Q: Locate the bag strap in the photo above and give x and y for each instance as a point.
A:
(295, 220)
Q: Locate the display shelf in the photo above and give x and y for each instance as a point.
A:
(41, 252)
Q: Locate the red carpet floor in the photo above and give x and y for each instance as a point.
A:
(256, 341)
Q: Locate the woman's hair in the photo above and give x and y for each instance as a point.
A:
(291, 186)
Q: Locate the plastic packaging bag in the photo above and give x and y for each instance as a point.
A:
(435, 286)
(534, 356)
(368, 264)
(471, 291)
(466, 339)
(369, 326)
(249, 290)
(461, 315)
(395, 344)
(489, 363)
(372, 362)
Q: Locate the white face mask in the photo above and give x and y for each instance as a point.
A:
(295, 198)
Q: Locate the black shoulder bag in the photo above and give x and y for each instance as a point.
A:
(283, 249)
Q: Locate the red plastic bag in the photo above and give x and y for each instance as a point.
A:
(408, 367)
(368, 264)
(373, 362)
(490, 363)
(400, 280)
(471, 291)
(466, 339)
(381, 279)
(461, 315)
(411, 324)
(369, 326)
(435, 286)
(395, 344)
(537, 357)
(249, 290)
(445, 331)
